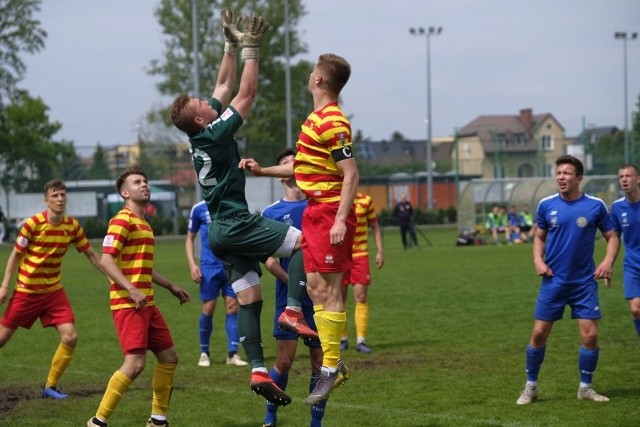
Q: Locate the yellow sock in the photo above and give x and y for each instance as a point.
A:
(318, 308)
(332, 326)
(162, 384)
(345, 333)
(362, 320)
(59, 363)
(118, 385)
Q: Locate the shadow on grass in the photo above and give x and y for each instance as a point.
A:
(12, 396)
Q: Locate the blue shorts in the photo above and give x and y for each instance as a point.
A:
(214, 282)
(631, 283)
(307, 310)
(581, 297)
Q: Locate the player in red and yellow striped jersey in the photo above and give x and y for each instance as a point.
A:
(360, 276)
(326, 171)
(127, 258)
(37, 255)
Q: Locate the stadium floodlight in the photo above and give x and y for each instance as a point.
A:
(430, 31)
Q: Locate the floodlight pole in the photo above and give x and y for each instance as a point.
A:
(624, 36)
(430, 31)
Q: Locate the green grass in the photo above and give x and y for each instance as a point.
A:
(448, 327)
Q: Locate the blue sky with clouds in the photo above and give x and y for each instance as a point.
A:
(492, 57)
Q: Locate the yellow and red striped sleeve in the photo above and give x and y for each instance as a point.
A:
(365, 215)
(131, 242)
(316, 172)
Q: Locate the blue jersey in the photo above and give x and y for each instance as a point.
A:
(289, 213)
(571, 231)
(626, 220)
(199, 220)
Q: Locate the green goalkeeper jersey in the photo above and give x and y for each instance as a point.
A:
(215, 156)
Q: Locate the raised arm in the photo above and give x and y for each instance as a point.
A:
(254, 29)
(229, 65)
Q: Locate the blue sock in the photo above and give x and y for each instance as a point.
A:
(206, 327)
(637, 323)
(587, 362)
(317, 410)
(231, 326)
(535, 357)
(281, 381)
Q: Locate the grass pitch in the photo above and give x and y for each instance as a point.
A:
(448, 327)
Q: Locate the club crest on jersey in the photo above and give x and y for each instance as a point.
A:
(624, 219)
(22, 241)
(108, 241)
(581, 222)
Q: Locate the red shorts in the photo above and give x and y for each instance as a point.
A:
(53, 309)
(360, 273)
(320, 256)
(141, 330)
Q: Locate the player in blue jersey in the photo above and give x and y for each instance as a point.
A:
(625, 213)
(563, 248)
(213, 281)
(289, 210)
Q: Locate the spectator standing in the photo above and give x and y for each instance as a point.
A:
(404, 212)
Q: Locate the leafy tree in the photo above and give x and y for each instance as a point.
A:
(99, 168)
(28, 154)
(19, 32)
(264, 132)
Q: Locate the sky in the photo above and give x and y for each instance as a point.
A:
(492, 57)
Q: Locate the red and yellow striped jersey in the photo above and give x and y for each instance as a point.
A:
(316, 173)
(365, 215)
(130, 240)
(43, 246)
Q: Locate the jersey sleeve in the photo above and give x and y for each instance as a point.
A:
(80, 240)
(117, 234)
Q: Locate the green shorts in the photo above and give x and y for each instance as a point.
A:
(242, 241)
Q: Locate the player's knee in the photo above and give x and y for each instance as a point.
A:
(283, 364)
(70, 338)
(634, 305)
(590, 339)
